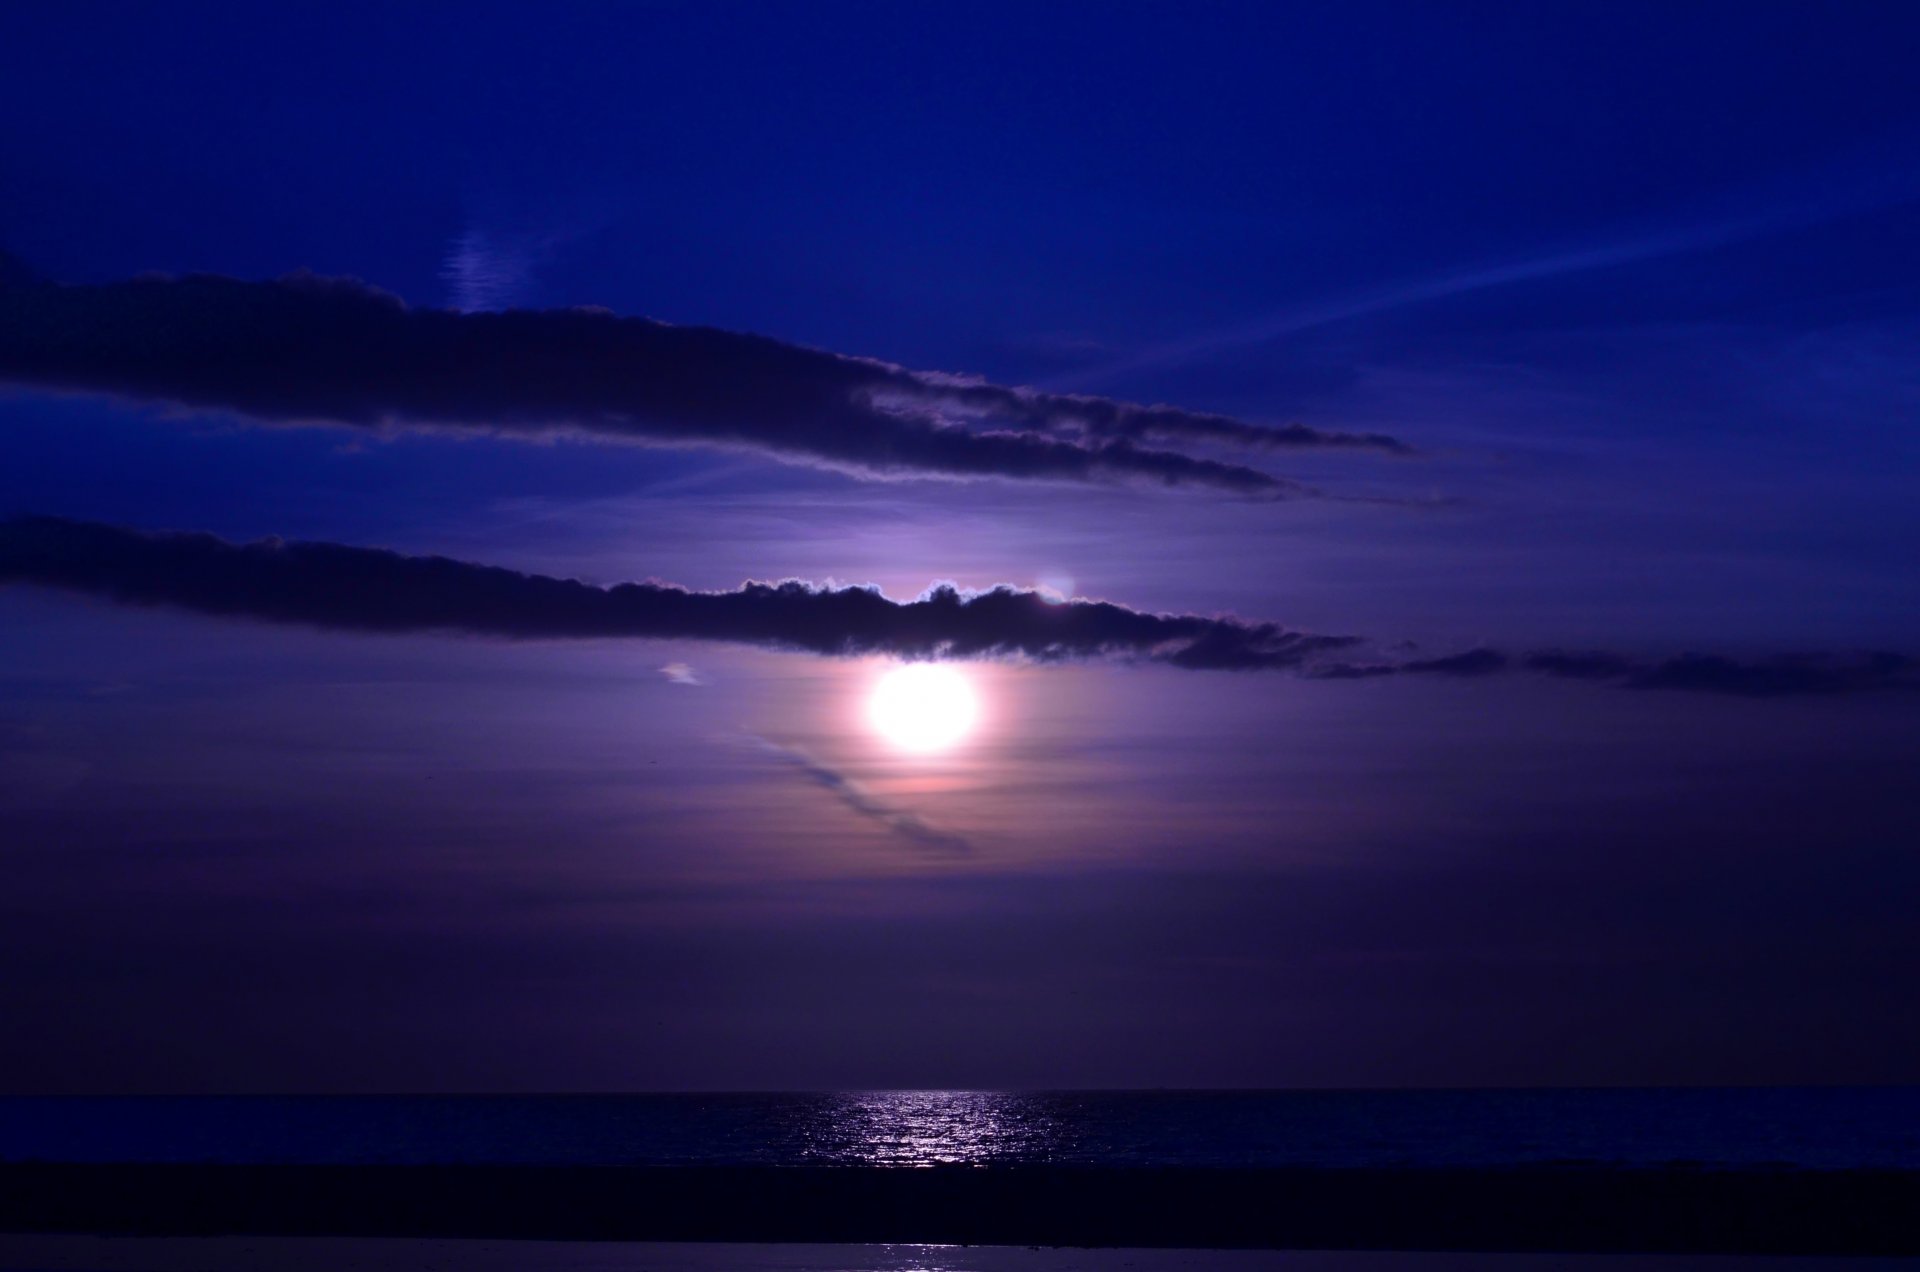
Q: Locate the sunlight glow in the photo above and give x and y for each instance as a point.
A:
(923, 706)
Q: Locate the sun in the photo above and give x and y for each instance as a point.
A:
(923, 706)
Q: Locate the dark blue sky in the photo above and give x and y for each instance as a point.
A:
(1639, 282)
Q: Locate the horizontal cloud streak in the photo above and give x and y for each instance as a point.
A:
(368, 589)
(1782, 676)
(1100, 418)
(305, 349)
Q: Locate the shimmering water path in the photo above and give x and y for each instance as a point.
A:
(1818, 1128)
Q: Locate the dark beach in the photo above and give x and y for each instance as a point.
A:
(1570, 1209)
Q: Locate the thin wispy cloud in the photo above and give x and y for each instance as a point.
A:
(908, 826)
(1857, 185)
(1795, 675)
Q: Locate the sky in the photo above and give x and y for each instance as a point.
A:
(1423, 496)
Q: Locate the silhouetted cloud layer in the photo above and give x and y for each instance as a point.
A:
(368, 589)
(305, 349)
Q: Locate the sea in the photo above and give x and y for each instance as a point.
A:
(1815, 1128)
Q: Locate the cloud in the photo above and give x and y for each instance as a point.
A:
(1097, 418)
(679, 673)
(1873, 177)
(1474, 662)
(335, 586)
(366, 589)
(14, 272)
(311, 350)
(1780, 676)
(908, 826)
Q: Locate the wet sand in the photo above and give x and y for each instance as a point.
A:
(410, 1254)
(1570, 1209)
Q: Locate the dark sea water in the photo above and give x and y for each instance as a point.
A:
(1808, 1128)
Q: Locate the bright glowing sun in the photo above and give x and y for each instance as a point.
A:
(923, 706)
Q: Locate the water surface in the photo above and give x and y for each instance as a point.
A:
(1819, 1128)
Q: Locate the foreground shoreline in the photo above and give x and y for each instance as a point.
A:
(1564, 1209)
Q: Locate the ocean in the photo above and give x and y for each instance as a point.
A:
(1809, 1128)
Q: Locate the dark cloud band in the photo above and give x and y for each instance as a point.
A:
(311, 350)
(367, 589)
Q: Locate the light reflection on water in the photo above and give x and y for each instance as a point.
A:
(934, 1128)
(1824, 1127)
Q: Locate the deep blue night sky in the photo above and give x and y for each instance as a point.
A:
(1638, 282)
